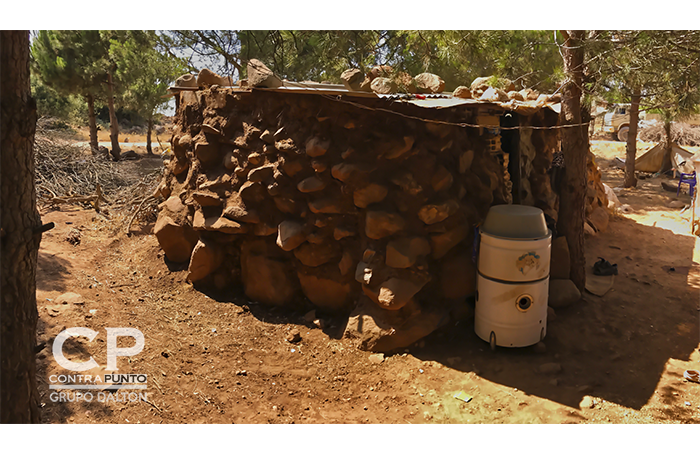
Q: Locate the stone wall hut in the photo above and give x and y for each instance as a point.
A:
(358, 202)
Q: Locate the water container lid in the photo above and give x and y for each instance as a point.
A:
(515, 221)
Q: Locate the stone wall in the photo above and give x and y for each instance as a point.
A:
(357, 210)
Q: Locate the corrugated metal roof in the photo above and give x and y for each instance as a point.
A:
(433, 101)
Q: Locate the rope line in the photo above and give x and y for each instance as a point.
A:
(447, 123)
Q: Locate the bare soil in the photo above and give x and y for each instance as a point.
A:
(220, 358)
(127, 140)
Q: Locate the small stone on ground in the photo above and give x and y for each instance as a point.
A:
(376, 358)
(294, 336)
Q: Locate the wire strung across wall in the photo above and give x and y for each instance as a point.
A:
(427, 120)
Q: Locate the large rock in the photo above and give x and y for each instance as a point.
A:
(366, 84)
(291, 167)
(261, 173)
(205, 198)
(186, 81)
(317, 146)
(407, 182)
(529, 94)
(395, 293)
(312, 184)
(252, 192)
(179, 165)
(480, 83)
(560, 264)
(494, 95)
(290, 235)
(374, 329)
(403, 253)
(175, 209)
(372, 193)
(429, 83)
(434, 213)
(380, 224)
(175, 236)
(352, 79)
(255, 158)
(264, 229)
(563, 293)
(347, 172)
(343, 231)
(381, 71)
(260, 75)
(285, 145)
(267, 278)
(236, 209)
(206, 258)
(484, 82)
(458, 277)
(207, 152)
(327, 205)
(207, 78)
(442, 179)
(588, 229)
(383, 85)
(599, 218)
(326, 293)
(314, 255)
(443, 243)
(462, 92)
(516, 96)
(395, 148)
(346, 263)
(218, 224)
(465, 161)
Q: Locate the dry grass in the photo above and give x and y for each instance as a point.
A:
(681, 133)
(68, 174)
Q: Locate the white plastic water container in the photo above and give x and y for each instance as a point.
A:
(513, 277)
(510, 260)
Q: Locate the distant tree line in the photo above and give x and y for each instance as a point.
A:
(102, 67)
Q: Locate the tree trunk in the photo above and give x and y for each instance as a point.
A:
(94, 144)
(148, 136)
(575, 147)
(666, 164)
(113, 123)
(630, 178)
(19, 241)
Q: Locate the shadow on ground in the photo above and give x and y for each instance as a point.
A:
(650, 194)
(614, 347)
(59, 406)
(52, 272)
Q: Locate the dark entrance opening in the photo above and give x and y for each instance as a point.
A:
(510, 145)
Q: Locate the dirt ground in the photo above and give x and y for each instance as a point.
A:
(219, 358)
(126, 139)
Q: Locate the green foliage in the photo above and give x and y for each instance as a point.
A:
(144, 72)
(315, 55)
(68, 65)
(71, 108)
(662, 65)
(530, 58)
(71, 62)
